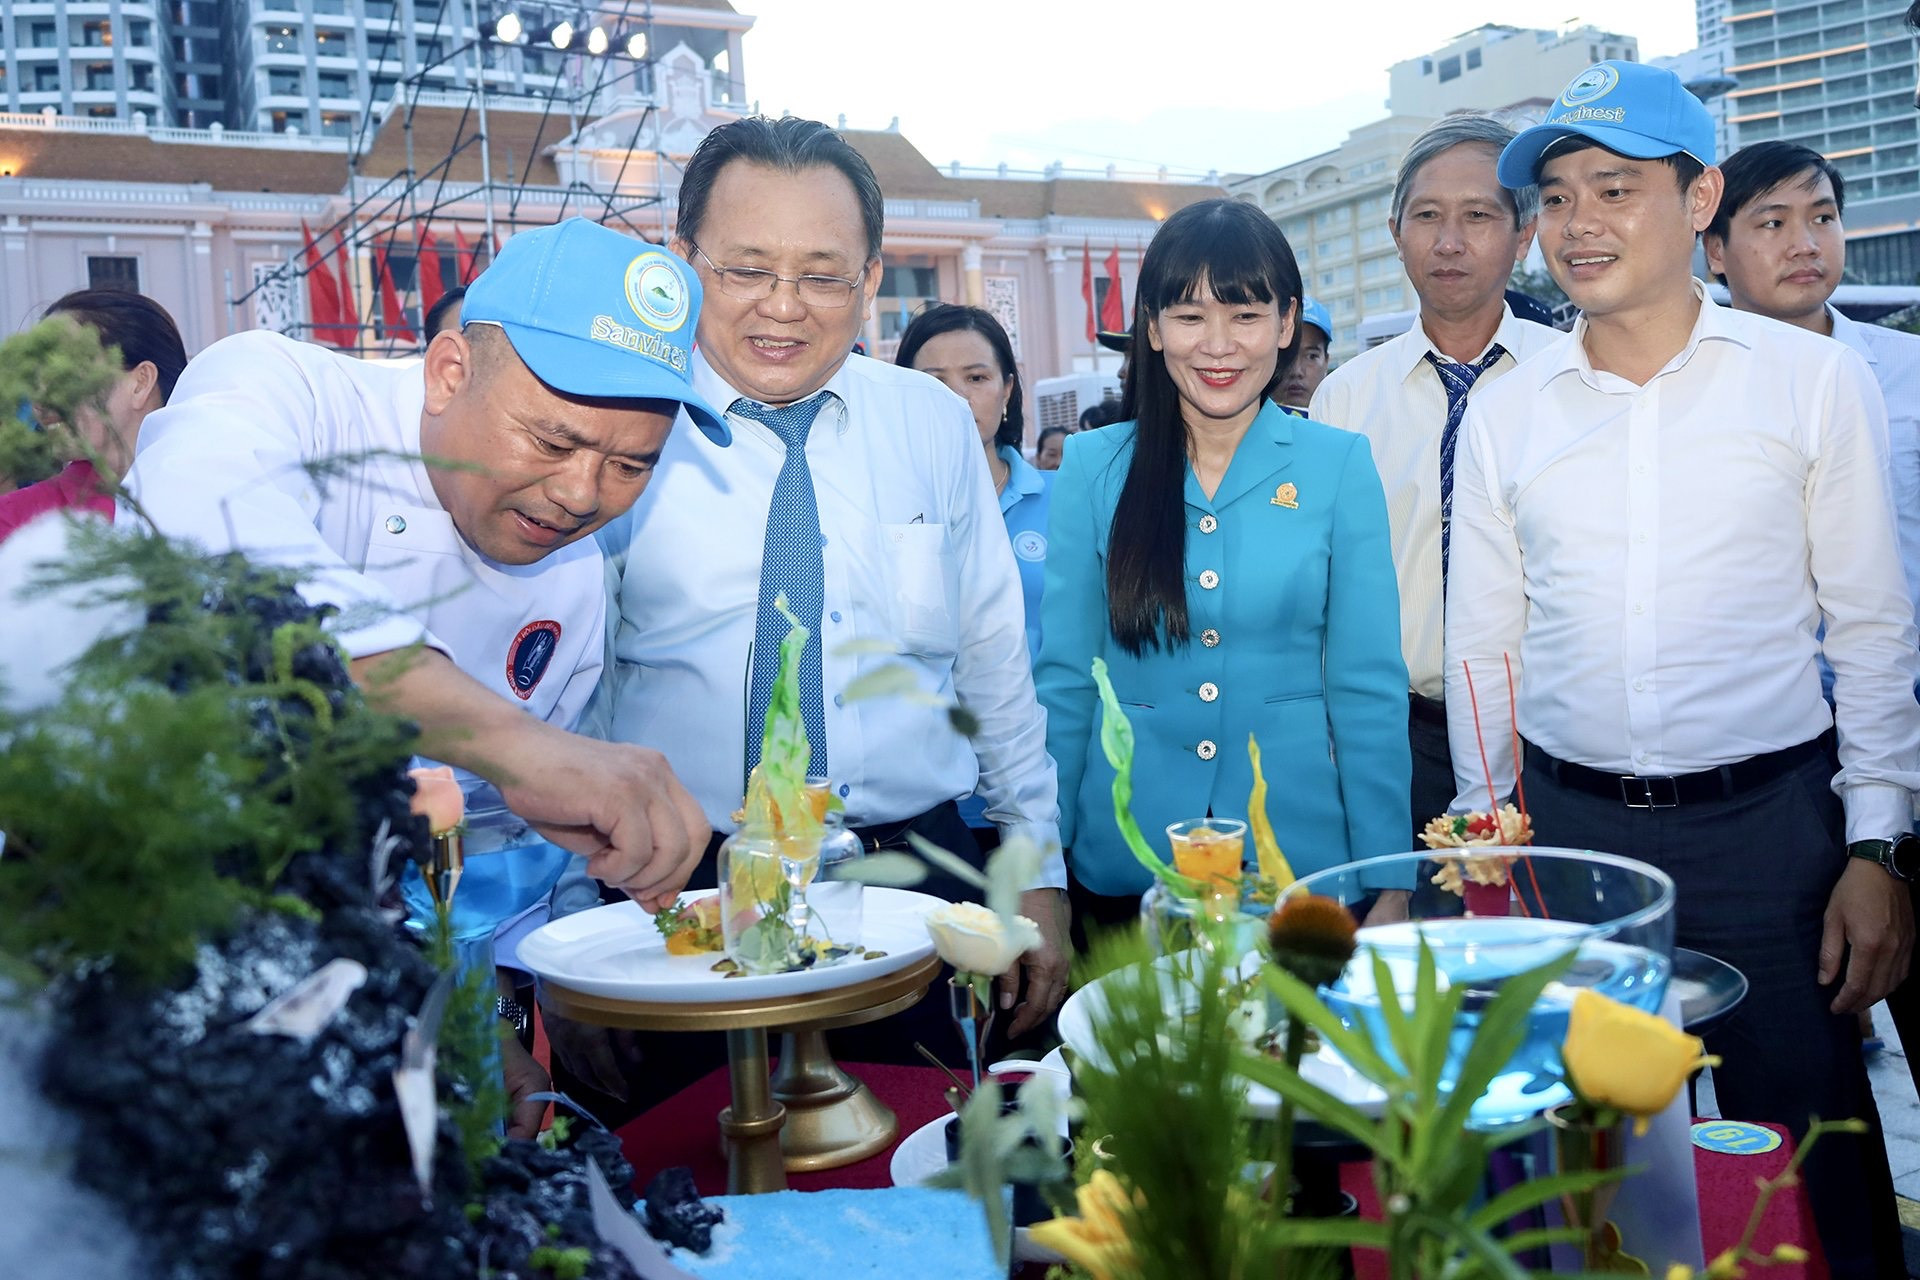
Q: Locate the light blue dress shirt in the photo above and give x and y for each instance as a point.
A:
(919, 574)
(1023, 504)
(1894, 358)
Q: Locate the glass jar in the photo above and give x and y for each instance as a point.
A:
(785, 901)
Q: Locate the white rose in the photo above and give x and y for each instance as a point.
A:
(974, 940)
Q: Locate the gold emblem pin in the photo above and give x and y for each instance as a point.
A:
(1286, 496)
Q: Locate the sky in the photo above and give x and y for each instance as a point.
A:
(1238, 86)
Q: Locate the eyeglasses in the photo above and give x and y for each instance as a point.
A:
(752, 284)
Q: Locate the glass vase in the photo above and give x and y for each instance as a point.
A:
(1584, 1143)
(785, 900)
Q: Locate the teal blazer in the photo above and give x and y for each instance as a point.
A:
(1296, 641)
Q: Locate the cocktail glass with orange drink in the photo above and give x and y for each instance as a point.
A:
(1210, 850)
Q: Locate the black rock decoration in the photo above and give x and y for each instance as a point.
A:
(235, 1154)
(676, 1214)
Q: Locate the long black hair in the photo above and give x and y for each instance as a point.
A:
(949, 317)
(137, 325)
(1241, 257)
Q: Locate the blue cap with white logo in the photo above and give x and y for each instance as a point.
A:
(593, 312)
(1314, 312)
(1627, 107)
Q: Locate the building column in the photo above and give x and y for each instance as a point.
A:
(972, 285)
(204, 319)
(13, 262)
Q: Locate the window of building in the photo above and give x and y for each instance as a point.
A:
(113, 272)
(1449, 69)
(41, 36)
(429, 52)
(1426, 66)
(101, 113)
(335, 84)
(283, 82)
(140, 75)
(97, 34)
(336, 124)
(282, 40)
(46, 79)
(329, 44)
(1473, 59)
(289, 121)
(140, 34)
(99, 76)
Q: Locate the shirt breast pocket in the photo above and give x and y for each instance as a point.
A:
(923, 586)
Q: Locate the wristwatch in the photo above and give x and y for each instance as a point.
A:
(1900, 856)
(514, 1014)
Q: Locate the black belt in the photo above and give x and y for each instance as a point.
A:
(1427, 710)
(1638, 792)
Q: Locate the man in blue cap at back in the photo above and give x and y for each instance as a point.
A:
(1652, 519)
(1308, 368)
(447, 507)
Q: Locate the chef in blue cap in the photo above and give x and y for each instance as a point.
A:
(1665, 519)
(447, 505)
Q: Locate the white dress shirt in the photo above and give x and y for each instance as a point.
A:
(1894, 358)
(1657, 561)
(306, 458)
(919, 571)
(1392, 396)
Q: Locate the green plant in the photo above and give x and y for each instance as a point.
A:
(55, 367)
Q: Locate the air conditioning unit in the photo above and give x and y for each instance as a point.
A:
(1059, 402)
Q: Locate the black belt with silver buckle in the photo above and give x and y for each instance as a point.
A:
(1638, 792)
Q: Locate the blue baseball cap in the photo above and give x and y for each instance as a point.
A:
(1627, 107)
(1314, 312)
(593, 312)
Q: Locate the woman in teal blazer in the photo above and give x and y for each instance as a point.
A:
(1231, 564)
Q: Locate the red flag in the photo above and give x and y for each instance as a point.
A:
(1113, 311)
(1086, 284)
(349, 309)
(393, 321)
(468, 260)
(323, 292)
(426, 269)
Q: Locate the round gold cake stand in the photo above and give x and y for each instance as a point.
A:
(833, 1118)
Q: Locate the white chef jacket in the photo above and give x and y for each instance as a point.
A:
(1658, 560)
(1894, 358)
(230, 463)
(917, 563)
(1394, 397)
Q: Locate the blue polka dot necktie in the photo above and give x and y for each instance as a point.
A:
(1458, 379)
(791, 564)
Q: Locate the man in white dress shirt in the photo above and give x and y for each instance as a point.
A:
(1459, 233)
(855, 488)
(1653, 520)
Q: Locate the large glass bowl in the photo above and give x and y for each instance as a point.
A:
(508, 868)
(1614, 914)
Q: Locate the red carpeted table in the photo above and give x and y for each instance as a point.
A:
(682, 1131)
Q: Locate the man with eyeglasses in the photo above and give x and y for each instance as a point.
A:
(857, 490)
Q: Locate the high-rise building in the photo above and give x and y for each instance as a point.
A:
(1333, 207)
(319, 66)
(1836, 76)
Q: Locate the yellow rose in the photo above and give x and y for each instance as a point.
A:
(1620, 1057)
(437, 798)
(974, 940)
(1096, 1240)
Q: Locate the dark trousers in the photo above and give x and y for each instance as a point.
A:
(1753, 873)
(1433, 788)
(661, 1063)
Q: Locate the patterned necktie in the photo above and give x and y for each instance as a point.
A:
(1458, 379)
(791, 563)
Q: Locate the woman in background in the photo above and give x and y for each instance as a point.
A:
(151, 357)
(1231, 565)
(965, 348)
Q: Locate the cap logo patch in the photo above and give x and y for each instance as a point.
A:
(656, 292)
(1595, 82)
(529, 655)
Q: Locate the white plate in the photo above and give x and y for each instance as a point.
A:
(1326, 1068)
(923, 1153)
(615, 951)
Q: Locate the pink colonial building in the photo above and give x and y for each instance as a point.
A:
(209, 221)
